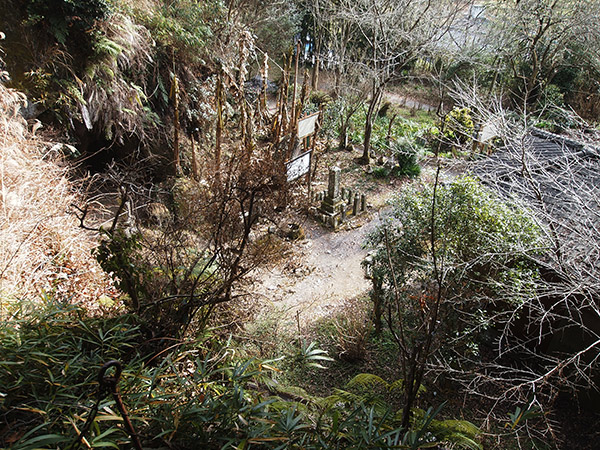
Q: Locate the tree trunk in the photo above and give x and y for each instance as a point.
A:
(377, 92)
(343, 137)
(366, 157)
(337, 83)
(388, 137)
(315, 75)
(410, 386)
(377, 304)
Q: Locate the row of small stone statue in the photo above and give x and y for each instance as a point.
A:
(337, 204)
(357, 204)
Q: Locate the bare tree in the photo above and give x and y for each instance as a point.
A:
(553, 329)
(392, 35)
(532, 40)
(177, 265)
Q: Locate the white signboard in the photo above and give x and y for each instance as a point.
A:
(298, 166)
(307, 125)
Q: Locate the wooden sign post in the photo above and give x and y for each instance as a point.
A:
(300, 162)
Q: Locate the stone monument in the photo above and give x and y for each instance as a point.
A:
(331, 206)
(339, 203)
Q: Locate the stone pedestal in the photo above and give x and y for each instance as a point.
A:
(337, 204)
(331, 206)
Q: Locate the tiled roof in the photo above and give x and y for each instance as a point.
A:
(558, 178)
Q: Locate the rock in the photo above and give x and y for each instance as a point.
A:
(295, 233)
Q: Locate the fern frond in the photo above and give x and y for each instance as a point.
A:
(106, 47)
(397, 385)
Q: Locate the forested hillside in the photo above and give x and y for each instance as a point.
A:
(306, 224)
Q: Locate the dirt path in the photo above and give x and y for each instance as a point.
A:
(324, 271)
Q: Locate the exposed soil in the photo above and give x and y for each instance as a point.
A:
(323, 269)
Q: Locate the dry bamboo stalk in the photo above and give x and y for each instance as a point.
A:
(294, 117)
(265, 78)
(219, 127)
(175, 97)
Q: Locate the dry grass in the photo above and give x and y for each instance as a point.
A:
(42, 248)
(352, 326)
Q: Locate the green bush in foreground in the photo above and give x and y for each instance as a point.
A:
(189, 395)
(451, 261)
(484, 249)
(50, 359)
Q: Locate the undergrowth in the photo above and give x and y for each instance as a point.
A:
(48, 368)
(185, 393)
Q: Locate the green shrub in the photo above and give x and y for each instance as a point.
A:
(458, 127)
(410, 168)
(183, 25)
(64, 16)
(188, 393)
(381, 172)
(486, 245)
(553, 116)
(320, 98)
(357, 125)
(552, 97)
(405, 152)
(50, 358)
